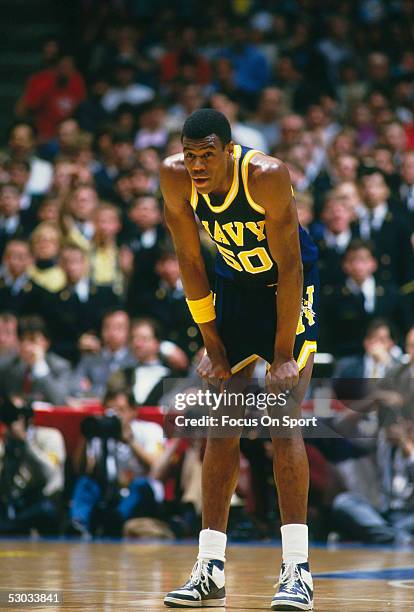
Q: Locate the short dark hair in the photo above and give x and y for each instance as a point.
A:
(152, 323)
(204, 122)
(357, 244)
(112, 394)
(32, 325)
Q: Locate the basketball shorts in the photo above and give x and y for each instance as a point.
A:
(246, 319)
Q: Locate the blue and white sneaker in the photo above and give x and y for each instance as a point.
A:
(295, 590)
(205, 588)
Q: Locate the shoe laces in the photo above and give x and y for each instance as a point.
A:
(199, 574)
(289, 576)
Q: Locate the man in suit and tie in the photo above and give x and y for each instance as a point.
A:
(385, 226)
(102, 357)
(145, 380)
(348, 307)
(17, 292)
(36, 373)
(407, 186)
(78, 308)
(337, 233)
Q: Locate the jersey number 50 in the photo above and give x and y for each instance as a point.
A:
(243, 260)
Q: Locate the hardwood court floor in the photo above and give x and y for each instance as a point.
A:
(129, 576)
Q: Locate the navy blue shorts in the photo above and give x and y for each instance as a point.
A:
(246, 321)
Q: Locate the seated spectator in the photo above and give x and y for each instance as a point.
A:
(22, 146)
(9, 343)
(349, 306)
(45, 246)
(77, 216)
(392, 519)
(78, 307)
(52, 95)
(90, 113)
(386, 228)
(17, 293)
(106, 259)
(103, 356)
(381, 354)
(250, 65)
(31, 474)
(267, 115)
(132, 449)
(145, 379)
(125, 89)
(152, 131)
(143, 235)
(12, 222)
(65, 145)
(48, 210)
(336, 234)
(36, 373)
(407, 186)
(167, 304)
(241, 132)
(19, 175)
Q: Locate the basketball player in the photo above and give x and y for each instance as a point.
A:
(244, 200)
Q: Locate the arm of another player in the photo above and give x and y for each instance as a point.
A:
(271, 187)
(179, 216)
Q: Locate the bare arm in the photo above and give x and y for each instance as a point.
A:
(271, 187)
(179, 216)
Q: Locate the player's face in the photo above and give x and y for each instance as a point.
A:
(206, 161)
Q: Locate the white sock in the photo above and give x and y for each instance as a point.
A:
(294, 543)
(212, 545)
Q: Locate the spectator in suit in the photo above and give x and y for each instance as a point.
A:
(17, 292)
(168, 306)
(146, 378)
(335, 237)
(407, 186)
(385, 227)
(78, 308)
(78, 214)
(22, 144)
(102, 357)
(381, 354)
(9, 343)
(36, 373)
(348, 307)
(108, 262)
(391, 520)
(143, 235)
(12, 222)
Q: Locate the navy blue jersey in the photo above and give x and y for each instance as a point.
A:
(238, 228)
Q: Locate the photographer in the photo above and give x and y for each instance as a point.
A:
(31, 472)
(116, 456)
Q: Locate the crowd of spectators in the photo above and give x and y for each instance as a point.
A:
(91, 301)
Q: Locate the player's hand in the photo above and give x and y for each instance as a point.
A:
(283, 375)
(214, 366)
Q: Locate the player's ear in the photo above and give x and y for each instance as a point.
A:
(229, 147)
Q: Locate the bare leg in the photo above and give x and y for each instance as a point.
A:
(290, 463)
(220, 474)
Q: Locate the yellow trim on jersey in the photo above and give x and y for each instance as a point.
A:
(308, 347)
(194, 196)
(234, 186)
(245, 176)
(243, 363)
